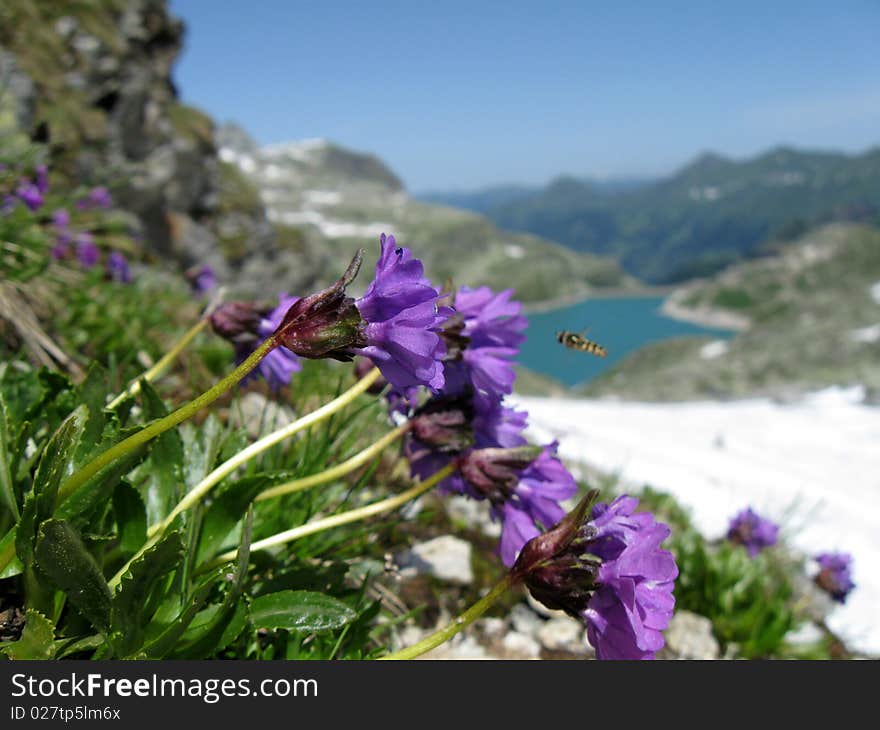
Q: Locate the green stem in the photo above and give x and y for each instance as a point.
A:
(77, 479)
(162, 365)
(340, 470)
(258, 447)
(465, 619)
(343, 518)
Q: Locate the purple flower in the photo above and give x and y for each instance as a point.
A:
(42, 178)
(834, 576)
(61, 218)
(541, 487)
(610, 572)
(29, 194)
(205, 280)
(86, 250)
(753, 532)
(60, 250)
(117, 267)
(246, 326)
(482, 339)
(395, 323)
(98, 197)
(402, 320)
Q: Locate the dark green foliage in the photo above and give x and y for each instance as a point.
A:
(709, 214)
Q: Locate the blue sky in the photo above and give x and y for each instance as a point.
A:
(460, 95)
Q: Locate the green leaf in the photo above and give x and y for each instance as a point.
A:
(131, 518)
(164, 487)
(216, 627)
(225, 512)
(7, 551)
(7, 489)
(53, 467)
(168, 638)
(94, 494)
(61, 555)
(126, 622)
(202, 446)
(304, 611)
(92, 392)
(37, 639)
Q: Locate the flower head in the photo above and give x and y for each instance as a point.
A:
(86, 250)
(834, 576)
(482, 339)
(609, 572)
(30, 194)
(98, 197)
(753, 532)
(402, 320)
(41, 178)
(201, 278)
(61, 218)
(394, 324)
(117, 267)
(246, 326)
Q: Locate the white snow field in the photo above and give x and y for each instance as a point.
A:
(812, 465)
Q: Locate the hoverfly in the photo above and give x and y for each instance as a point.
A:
(575, 341)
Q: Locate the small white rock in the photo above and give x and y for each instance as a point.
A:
(520, 646)
(563, 634)
(446, 557)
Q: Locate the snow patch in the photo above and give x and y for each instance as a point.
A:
(866, 334)
(713, 349)
(322, 197)
(875, 292)
(514, 251)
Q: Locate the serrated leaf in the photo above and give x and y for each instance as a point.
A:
(53, 467)
(225, 512)
(37, 640)
(164, 487)
(7, 489)
(303, 611)
(61, 555)
(126, 621)
(131, 518)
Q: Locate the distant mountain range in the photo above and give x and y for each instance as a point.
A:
(326, 201)
(712, 212)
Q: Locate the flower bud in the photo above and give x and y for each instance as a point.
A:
(444, 424)
(325, 324)
(494, 473)
(237, 322)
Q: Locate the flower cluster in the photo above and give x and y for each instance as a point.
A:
(609, 572)
(467, 422)
(752, 531)
(835, 576)
(70, 242)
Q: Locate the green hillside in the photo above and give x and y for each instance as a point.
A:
(813, 320)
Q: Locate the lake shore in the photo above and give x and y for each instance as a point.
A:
(615, 292)
(704, 316)
(809, 465)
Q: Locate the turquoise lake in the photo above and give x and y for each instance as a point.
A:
(620, 324)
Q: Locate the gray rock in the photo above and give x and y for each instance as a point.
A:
(446, 558)
(563, 634)
(520, 646)
(525, 620)
(689, 636)
(259, 414)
